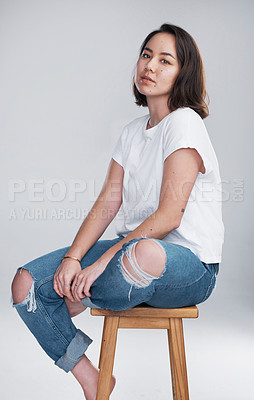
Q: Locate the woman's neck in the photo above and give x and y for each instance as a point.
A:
(158, 109)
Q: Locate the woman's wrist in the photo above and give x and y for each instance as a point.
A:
(71, 258)
(75, 251)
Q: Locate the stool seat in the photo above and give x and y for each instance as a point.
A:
(147, 311)
(145, 317)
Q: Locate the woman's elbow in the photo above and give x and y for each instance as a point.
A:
(170, 222)
(173, 225)
(177, 223)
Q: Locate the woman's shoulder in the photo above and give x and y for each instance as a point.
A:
(185, 119)
(183, 124)
(185, 113)
(131, 128)
(137, 122)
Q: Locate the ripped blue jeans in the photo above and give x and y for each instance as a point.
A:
(184, 281)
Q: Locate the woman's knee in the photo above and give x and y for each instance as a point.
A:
(150, 256)
(21, 285)
(145, 256)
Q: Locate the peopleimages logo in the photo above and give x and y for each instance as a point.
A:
(53, 190)
(35, 194)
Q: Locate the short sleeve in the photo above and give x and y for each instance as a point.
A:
(186, 129)
(118, 150)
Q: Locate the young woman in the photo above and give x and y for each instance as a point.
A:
(164, 180)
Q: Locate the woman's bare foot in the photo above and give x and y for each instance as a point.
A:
(88, 375)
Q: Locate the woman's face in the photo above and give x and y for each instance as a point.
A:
(157, 66)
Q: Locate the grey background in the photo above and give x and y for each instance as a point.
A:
(65, 76)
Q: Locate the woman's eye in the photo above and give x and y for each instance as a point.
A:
(165, 61)
(145, 55)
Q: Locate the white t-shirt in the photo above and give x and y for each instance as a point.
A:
(142, 153)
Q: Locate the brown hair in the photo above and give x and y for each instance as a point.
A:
(189, 87)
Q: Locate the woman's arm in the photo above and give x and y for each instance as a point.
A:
(179, 175)
(102, 213)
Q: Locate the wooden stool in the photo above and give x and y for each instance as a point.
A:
(145, 317)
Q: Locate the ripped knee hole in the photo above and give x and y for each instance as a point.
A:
(23, 290)
(151, 261)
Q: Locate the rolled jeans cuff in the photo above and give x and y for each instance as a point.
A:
(74, 351)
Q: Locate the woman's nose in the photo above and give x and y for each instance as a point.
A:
(150, 65)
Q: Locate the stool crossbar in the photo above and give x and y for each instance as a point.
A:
(145, 317)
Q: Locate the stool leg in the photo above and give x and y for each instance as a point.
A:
(107, 355)
(173, 379)
(102, 343)
(177, 360)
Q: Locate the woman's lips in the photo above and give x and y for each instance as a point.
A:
(147, 79)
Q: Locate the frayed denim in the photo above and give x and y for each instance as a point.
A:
(185, 281)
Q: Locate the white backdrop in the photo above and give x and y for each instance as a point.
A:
(65, 76)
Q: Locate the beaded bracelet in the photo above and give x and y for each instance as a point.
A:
(74, 258)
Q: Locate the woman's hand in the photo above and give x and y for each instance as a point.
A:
(64, 276)
(84, 280)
